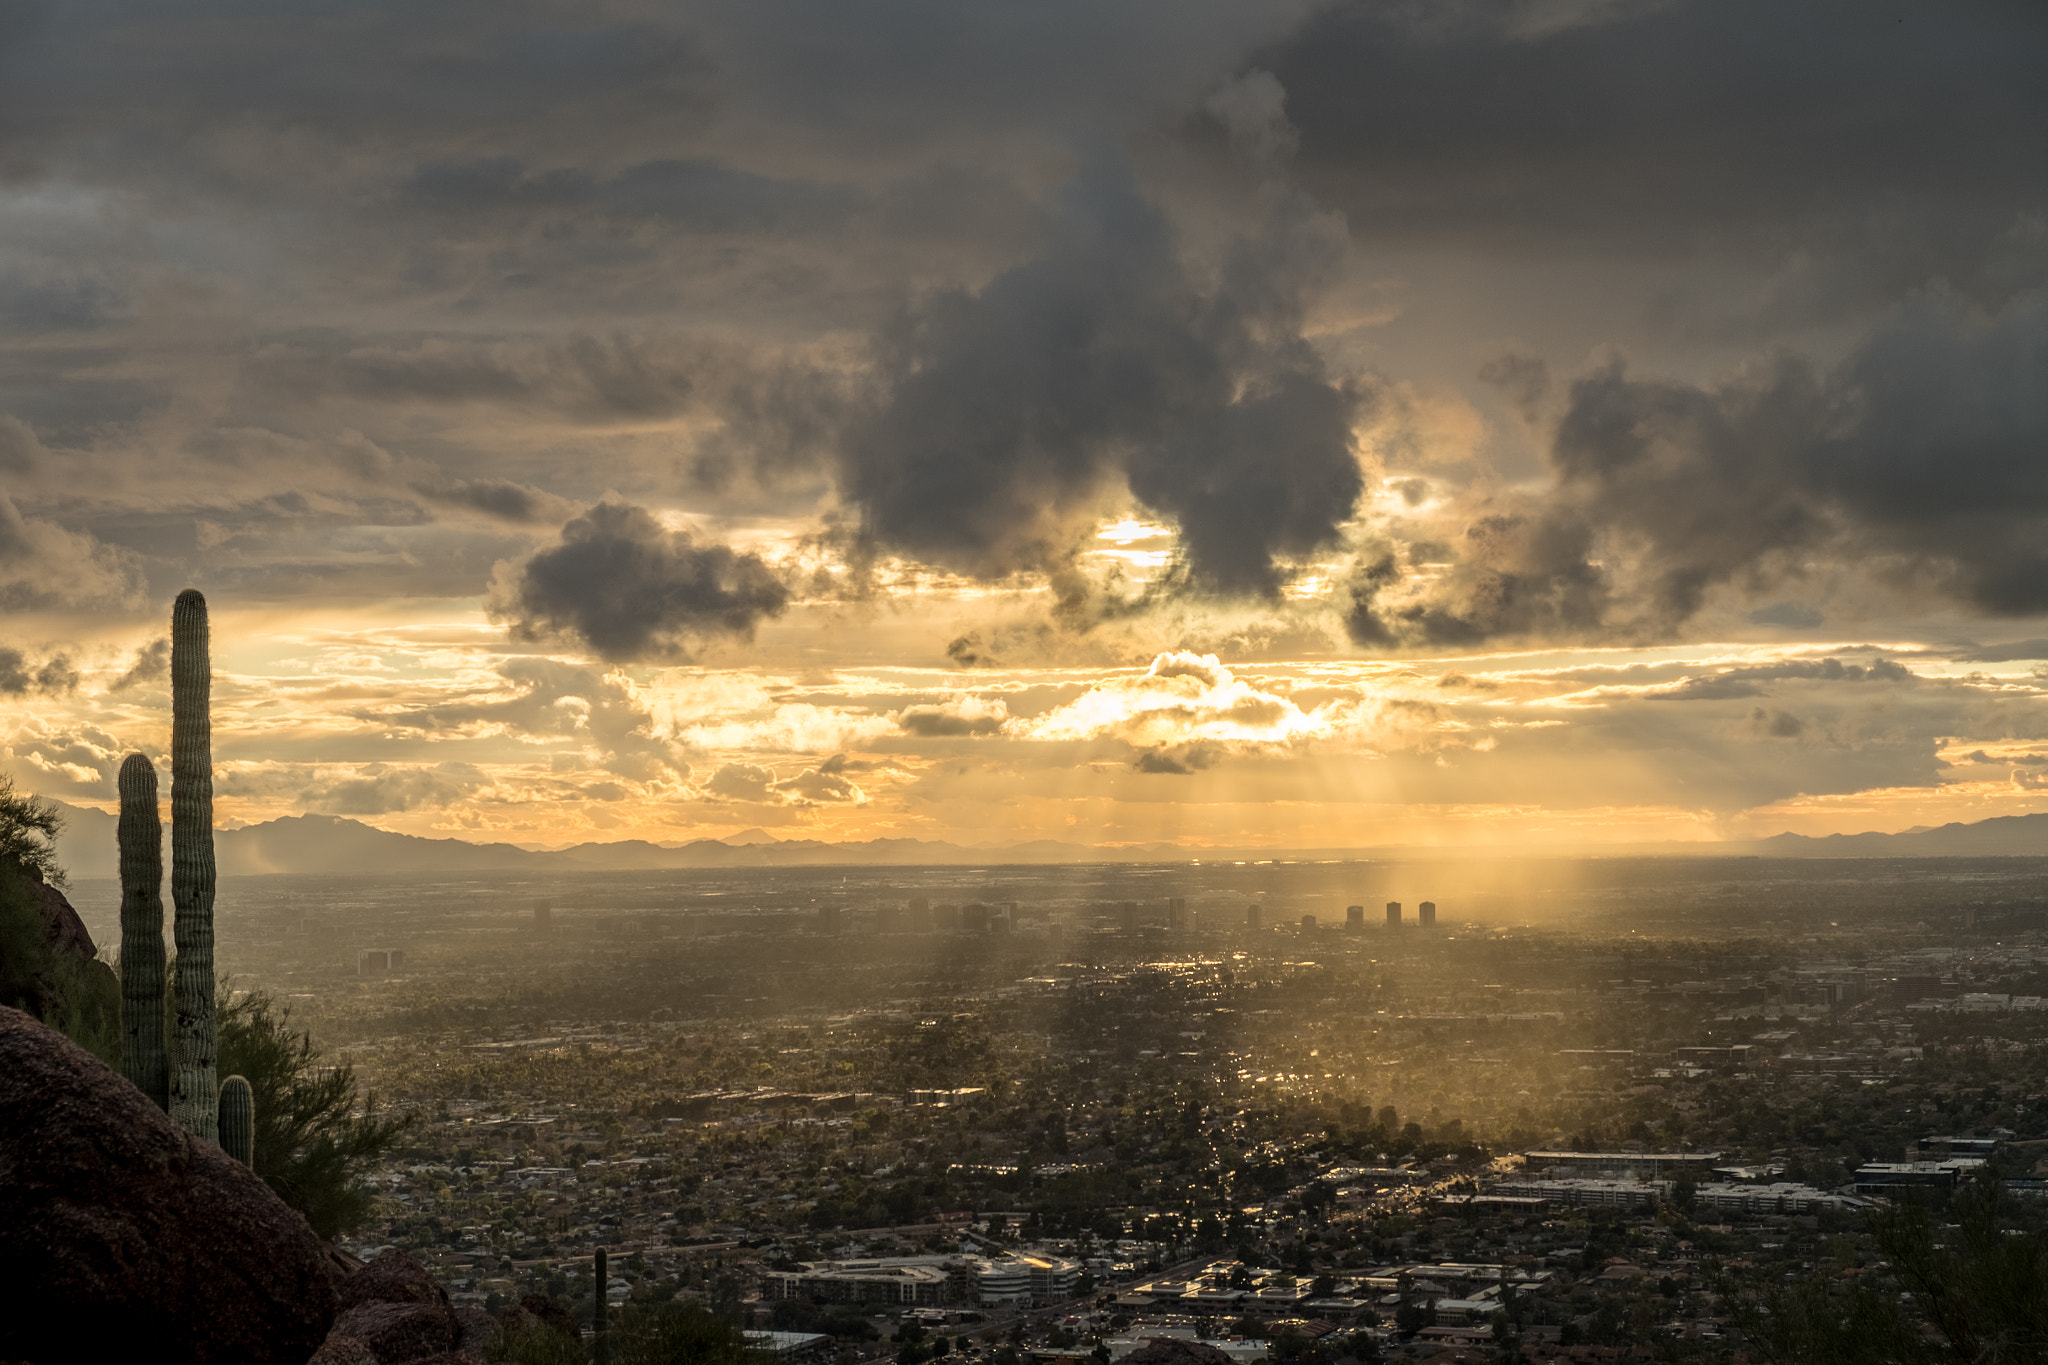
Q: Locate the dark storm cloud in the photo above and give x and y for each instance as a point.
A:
(21, 676)
(2013, 652)
(698, 195)
(1919, 456)
(1751, 682)
(383, 789)
(1013, 415)
(133, 82)
(514, 502)
(629, 588)
(1899, 143)
(152, 665)
(1178, 760)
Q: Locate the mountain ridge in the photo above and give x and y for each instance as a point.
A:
(328, 845)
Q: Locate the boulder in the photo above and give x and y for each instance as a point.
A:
(397, 1332)
(67, 931)
(394, 1276)
(340, 1349)
(477, 1331)
(135, 1240)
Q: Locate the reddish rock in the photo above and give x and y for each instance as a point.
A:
(134, 1240)
(397, 1332)
(476, 1330)
(393, 1277)
(67, 931)
(340, 1349)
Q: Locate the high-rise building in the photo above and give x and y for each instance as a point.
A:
(920, 915)
(1427, 912)
(1393, 914)
(1127, 914)
(828, 919)
(544, 916)
(1308, 924)
(1354, 919)
(974, 918)
(1176, 913)
(1254, 916)
(887, 919)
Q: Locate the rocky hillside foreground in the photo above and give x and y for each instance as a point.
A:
(128, 1240)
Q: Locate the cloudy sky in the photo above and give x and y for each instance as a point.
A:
(1399, 421)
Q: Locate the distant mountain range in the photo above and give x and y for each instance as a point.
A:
(325, 845)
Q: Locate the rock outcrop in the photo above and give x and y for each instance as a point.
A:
(129, 1239)
(59, 974)
(393, 1311)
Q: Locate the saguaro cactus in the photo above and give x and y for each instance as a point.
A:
(195, 1094)
(140, 837)
(238, 1120)
(600, 1312)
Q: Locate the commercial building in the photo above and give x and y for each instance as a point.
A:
(920, 1280)
(1393, 914)
(929, 1281)
(1253, 916)
(1607, 1194)
(1644, 1165)
(1354, 919)
(1897, 1177)
(1427, 912)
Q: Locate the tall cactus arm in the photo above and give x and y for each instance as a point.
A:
(194, 1091)
(140, 837)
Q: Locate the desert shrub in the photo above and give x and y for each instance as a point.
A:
(312, 1146)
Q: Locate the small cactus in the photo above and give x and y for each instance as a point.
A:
(195, 1094)
(140, 837)
(238, 1120)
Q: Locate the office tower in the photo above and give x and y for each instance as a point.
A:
(544, 916)
(974, 918)
(828, 919)
(1253, 916)
(887, 920)
(1354, 919)
(1176, 913)
(1127, 916)
(1393, 914)
(1427, 912)
(920, 915)
(1308, 924)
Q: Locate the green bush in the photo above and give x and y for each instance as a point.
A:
(312, 1148)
